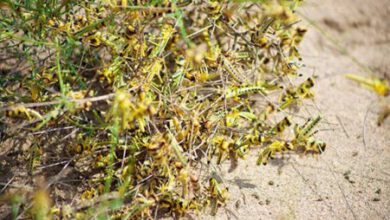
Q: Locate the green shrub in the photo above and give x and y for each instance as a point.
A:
(137, 95)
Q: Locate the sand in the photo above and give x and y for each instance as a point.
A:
(351, 179)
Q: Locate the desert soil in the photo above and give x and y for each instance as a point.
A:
(351, 179)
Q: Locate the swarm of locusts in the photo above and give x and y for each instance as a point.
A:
(138, 98)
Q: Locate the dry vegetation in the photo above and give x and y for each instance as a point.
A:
(122, 109)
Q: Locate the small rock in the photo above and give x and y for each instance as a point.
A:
(237, 204)
(256, 196)
(348, 178)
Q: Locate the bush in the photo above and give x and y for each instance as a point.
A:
(136, 96)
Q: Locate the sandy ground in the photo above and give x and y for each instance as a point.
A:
(351, 180)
